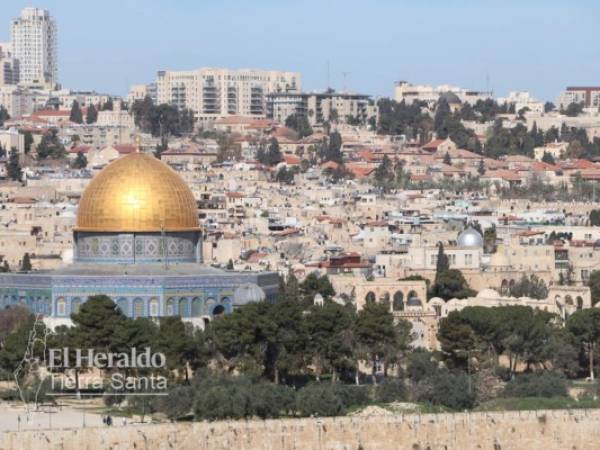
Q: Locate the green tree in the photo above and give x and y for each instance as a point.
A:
(451, 284)
(26, 263)
(284, 175)
(4, 116)
(313, 284)
(273, 155)
(91, 115)
(573, 109)
(96, 322)
(447, 159)
(175, 342)
(548, 158)
(13, 168)
(76, 116)
(585, 326)
(481, 167)
(330, 341)
(549, 106)
(376, 334)
(28, 141)
(442, 263)
(531, 286)
(384, 176)
(300, 124)
(108, 105)
(50, 146)
(80, 162)
(594, 285)
(333, 150)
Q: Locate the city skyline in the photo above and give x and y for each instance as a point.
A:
(126, 48)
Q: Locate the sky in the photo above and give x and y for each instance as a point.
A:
(359, 45)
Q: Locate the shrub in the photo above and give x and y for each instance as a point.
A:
(178, 403)
(319, 400)
(452, 390)
(536, 384)
(352, 395)
(391, 391)
(421, 365)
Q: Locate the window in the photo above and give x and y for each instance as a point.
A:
(61, 306)
(468, 259)
(154, 307)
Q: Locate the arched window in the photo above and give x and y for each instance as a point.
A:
(579, 302)
(370, 297)
(61, 307)
(196, 307)
(398, 304)
(504, 288)
(569, 300)
(138, 308)
(123, 305)
(413, 299)
(183, 307)
(75, 305)
(170, 306)
(154, 306)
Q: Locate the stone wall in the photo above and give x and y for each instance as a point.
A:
(531, 430)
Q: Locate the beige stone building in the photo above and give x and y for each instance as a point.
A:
(214, 92)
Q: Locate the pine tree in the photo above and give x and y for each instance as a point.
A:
(443, 263)
(108, 106)
(481, 168)
(28, 140)
(447, 159)
(26, 263)
(13, 167)
(274, 154)
(91, 115)
(4, 116)
(76, 115)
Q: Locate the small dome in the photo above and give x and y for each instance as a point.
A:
(470, 238)
(248, 293)
(488, 293)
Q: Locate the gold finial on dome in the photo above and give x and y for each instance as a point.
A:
(137, 193)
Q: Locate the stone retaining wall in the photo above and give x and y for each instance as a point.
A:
(527, 430)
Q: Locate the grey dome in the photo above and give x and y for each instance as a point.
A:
(450, 97)
(470, 238)
(248, 293)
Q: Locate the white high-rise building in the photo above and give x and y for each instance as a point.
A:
(34, 46)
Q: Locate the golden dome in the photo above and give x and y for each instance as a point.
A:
(137, 193)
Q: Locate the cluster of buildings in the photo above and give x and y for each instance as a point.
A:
(197, 235)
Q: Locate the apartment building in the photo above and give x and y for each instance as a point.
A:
(34, 46)
(9, 65)
(17, 101)
(320, 107)
(523, 99)
(212, 93)
(588, 95)
(409, 93)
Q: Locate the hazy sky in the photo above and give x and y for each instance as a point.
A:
(535, 45)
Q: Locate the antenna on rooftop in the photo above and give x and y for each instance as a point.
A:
(345, 74)
(328, 80)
